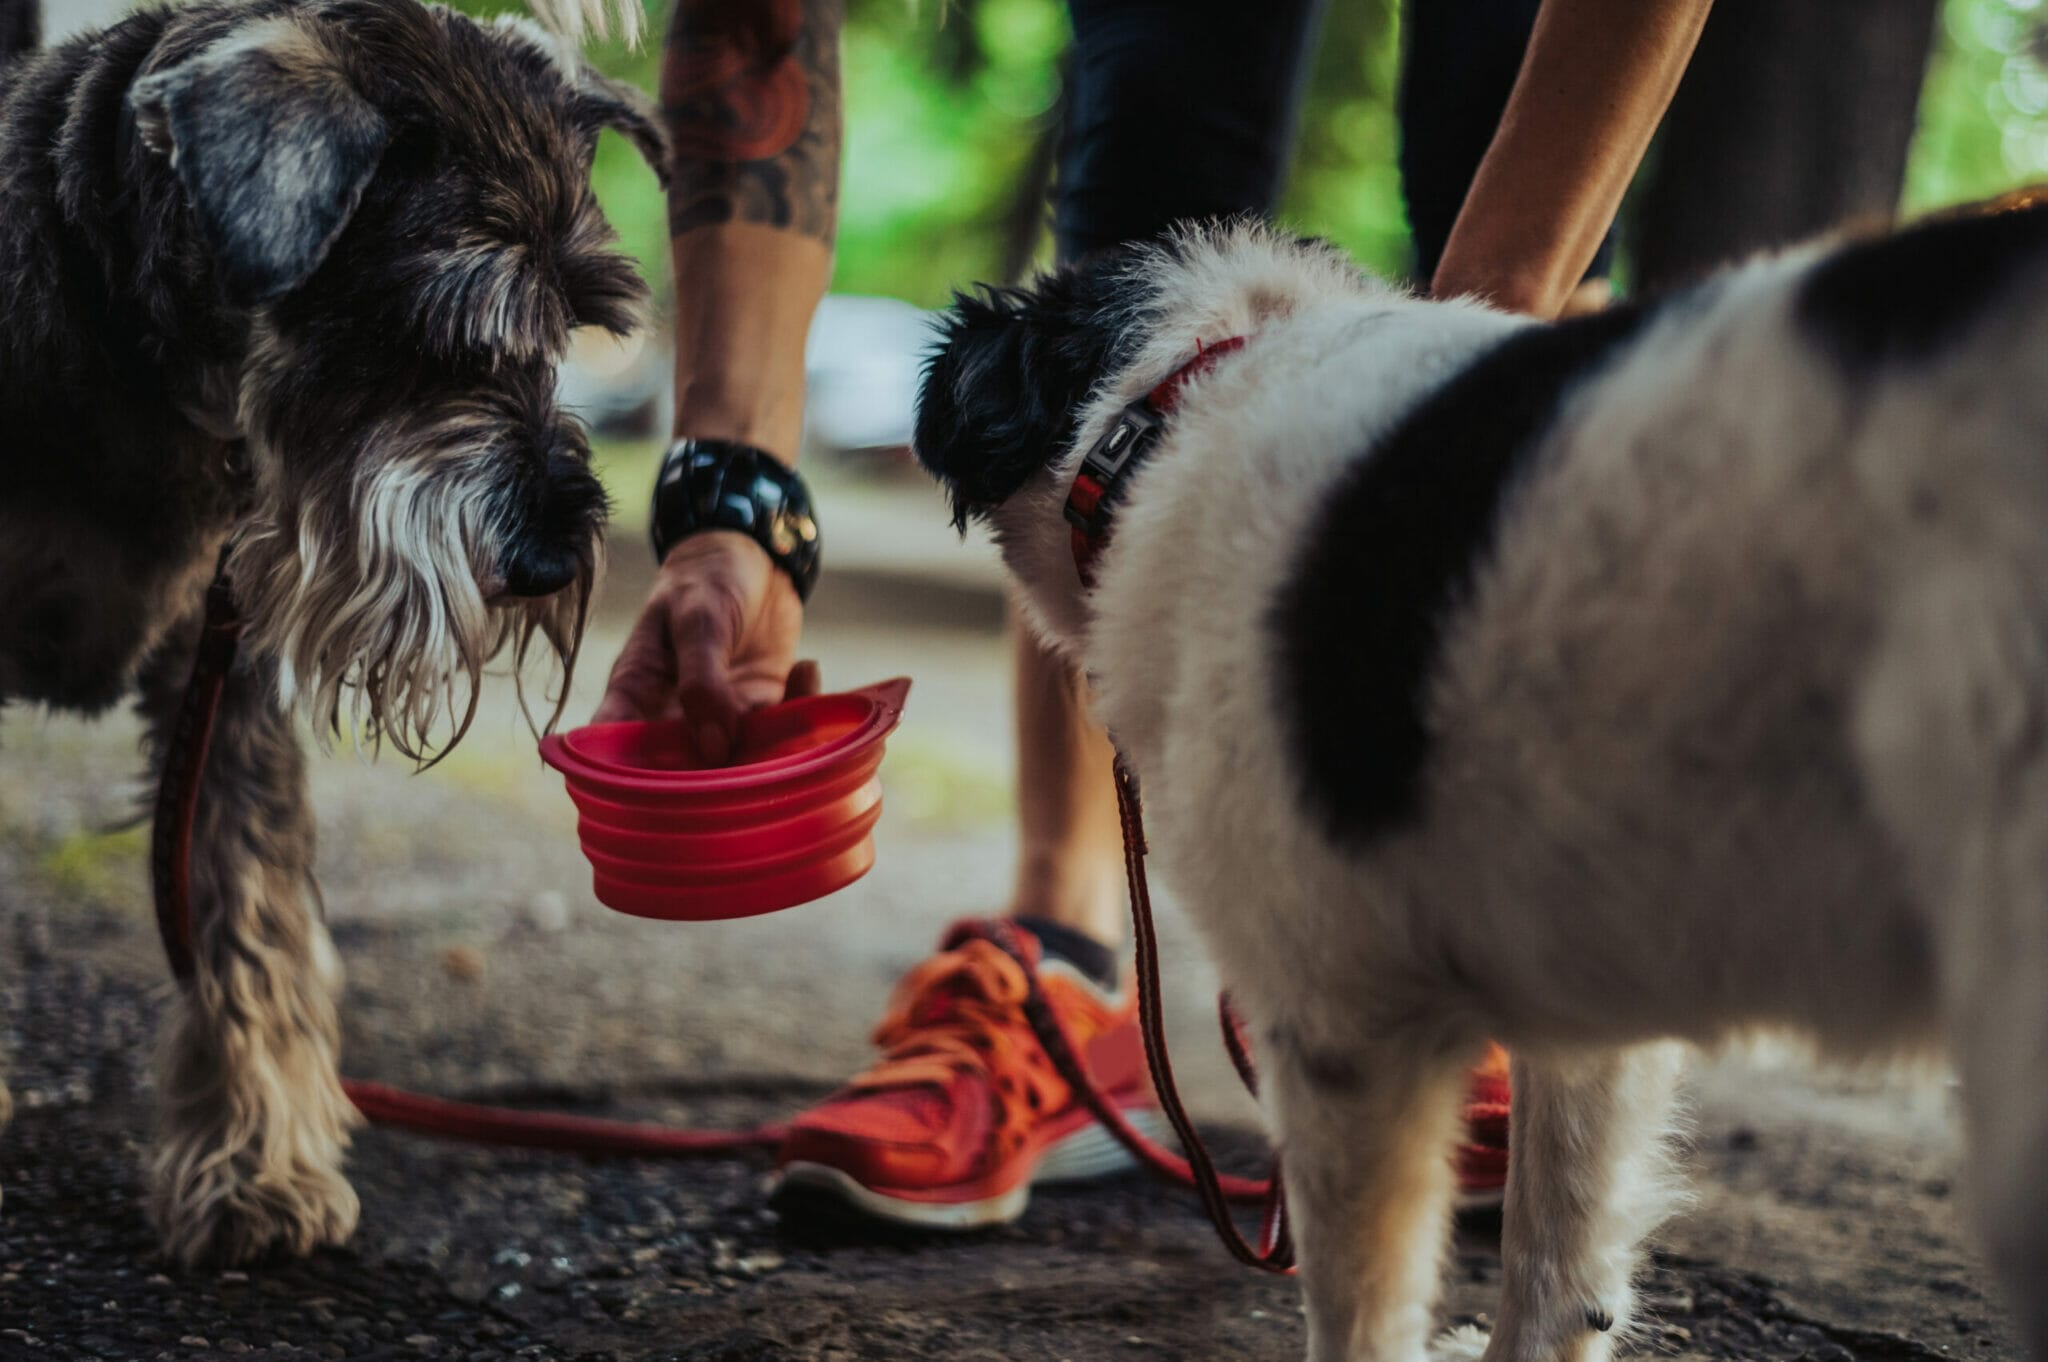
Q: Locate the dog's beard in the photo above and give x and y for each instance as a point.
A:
(377, 616)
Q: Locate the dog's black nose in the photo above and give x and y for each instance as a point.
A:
(539, 569)
(548, 546)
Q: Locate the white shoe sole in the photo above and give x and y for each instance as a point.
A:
(1090, 1152)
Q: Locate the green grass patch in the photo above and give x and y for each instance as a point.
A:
(98, 867)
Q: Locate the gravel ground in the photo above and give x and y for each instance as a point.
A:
(1826, 1227)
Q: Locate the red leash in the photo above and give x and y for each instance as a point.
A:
(177, 807)
(1099, 486)
(1274, 1251)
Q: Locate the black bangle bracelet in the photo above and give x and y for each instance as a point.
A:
(720, 485)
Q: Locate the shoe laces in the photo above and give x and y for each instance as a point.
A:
(962, 1011)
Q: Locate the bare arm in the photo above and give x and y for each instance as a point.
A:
(1595, 82)
(750, 91)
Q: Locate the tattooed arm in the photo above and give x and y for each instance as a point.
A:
(750, 91)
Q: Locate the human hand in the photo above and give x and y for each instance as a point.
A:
(716, 639)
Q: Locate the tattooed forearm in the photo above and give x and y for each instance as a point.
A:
(750, 89)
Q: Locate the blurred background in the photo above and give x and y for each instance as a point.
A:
(953, 113)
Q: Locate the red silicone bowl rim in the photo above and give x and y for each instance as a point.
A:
(771, 894)
(766, 804)
(809, 825)
(666, 875)
(713, 816)
(886, 710)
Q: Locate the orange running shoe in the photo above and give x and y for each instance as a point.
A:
(964, 1112)
(1483, 1157)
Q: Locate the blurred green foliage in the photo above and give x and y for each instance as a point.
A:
(949, 103)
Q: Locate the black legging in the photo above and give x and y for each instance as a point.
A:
(1187, 108)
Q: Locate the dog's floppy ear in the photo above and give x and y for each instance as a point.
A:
(982, 423)
(273, 145)
(614, 104)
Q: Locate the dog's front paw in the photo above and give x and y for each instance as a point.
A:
(1466, 1343)
(217, 1200)
(236, 1209)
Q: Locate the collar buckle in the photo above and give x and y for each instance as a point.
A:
(1098, 485)
(1099, 481)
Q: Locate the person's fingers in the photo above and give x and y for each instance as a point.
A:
(804, 679)
(701, 637)
(642, 683)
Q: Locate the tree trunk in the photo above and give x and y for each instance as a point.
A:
(1794, 117)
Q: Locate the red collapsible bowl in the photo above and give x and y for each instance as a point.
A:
(790, 820)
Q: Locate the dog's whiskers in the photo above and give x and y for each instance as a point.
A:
(384, 639)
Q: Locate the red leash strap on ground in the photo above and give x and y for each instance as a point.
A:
(177, 807)
(388, 1106)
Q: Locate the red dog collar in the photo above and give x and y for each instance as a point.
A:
(1099, 484)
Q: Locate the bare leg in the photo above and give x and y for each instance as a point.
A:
(1070, 865)
(1366, 1142)
(253, 1123)
(1589, 1175)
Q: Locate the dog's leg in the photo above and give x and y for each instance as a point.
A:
(253, 1122)
(2001, 1040)
(1996, 995)
(1589, 1174)
(6, 1115)
(1951, 729)
(1365, 1138)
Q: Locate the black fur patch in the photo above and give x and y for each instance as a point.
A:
(1003, 391)
(1902, 296)
(1360, 620)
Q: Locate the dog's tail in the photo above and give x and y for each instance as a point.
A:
(21, 27)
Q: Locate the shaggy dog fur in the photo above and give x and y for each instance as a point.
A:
(1654, 677)
(291, 277)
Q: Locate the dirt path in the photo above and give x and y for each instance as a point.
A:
(1826, 1228)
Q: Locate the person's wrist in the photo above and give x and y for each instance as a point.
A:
(714, 410)
(689, 556)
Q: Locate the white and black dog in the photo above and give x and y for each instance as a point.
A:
(1659, 676)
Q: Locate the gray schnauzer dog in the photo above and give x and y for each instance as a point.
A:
(291, 278)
